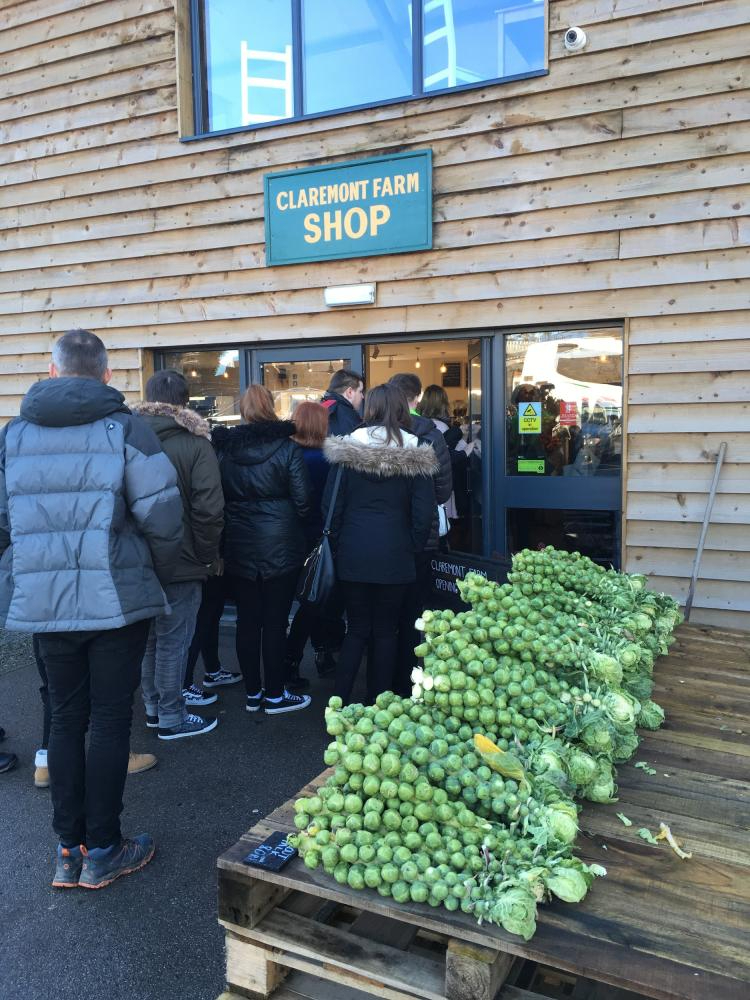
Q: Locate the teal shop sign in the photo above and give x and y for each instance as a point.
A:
(357, 209)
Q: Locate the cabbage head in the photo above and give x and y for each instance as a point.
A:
(567, 884)
(626, 744)
(602, 788)
(515, 910)
(606, 669)
(562, 821)
(651, 715)
(622, 708)
(581, 767)
(597, 736)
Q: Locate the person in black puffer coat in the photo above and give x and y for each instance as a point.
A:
(418, 594)
(381, 518)
(267, 497)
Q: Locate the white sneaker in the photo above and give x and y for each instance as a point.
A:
(195, 696)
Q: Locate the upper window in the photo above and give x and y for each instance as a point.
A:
(266, 61)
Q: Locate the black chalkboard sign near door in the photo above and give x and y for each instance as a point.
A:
(447, 568)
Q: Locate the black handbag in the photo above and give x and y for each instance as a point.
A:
(318, 576)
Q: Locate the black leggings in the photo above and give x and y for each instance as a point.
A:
(372, 612)
(263, 607)
(206, 637)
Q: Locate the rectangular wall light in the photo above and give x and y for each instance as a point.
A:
(349, 295)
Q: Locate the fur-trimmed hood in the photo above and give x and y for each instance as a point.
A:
(380, 460)
(183, 417)
(255, 442)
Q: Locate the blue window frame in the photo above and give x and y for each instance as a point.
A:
(260, 62)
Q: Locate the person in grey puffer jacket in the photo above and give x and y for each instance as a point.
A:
(90, 532)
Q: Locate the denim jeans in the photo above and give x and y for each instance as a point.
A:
(263, 607)
(166, 654)
(372, 612)
(92, 678)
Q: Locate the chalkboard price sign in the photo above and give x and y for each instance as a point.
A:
(272, 854)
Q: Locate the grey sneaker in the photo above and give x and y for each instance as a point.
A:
(102, 865)
(68, 870)
(221, 678)
(194, 725)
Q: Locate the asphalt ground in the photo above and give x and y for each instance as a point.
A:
(152, 935)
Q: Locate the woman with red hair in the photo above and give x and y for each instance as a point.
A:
(311, 421)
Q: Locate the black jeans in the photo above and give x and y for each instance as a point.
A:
(206, 637)
(263, 607)
(372, 612)
(415, 601)
(44, 692)
(92, 679)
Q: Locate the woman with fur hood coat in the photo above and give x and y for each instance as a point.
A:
(267, 496)
(382, 516)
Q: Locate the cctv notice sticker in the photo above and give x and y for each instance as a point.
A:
(530, 418)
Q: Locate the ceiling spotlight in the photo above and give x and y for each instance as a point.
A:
(194, 373)
(443, 366)
(417, 363)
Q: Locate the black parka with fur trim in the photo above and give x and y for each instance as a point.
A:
(384, 506)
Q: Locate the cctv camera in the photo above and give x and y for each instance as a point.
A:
(575, 39)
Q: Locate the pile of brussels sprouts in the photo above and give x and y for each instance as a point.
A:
(463, 795)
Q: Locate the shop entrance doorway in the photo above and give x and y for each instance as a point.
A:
(534, 418)
(450, 369)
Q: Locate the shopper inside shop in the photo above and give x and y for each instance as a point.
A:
(343, 400)
(383, 510)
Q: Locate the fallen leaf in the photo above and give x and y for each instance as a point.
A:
(646, 835)
(624, 819)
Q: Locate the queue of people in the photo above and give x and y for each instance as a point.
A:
(123, 534)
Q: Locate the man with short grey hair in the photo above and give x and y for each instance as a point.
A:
(90, 531)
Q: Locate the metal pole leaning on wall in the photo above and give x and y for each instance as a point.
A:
(704, 529)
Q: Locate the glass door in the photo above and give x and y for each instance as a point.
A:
(298, 374)
(560, 475)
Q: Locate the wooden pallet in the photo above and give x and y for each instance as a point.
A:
(656, 926)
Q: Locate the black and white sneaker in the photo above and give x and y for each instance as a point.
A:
(195, 696)
(255, 701)
(194, 725)
(221, 678)
(152, 721)
(288, 702)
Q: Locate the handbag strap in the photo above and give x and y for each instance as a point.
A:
(332, 504)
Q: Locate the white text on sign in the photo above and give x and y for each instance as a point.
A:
(354, 222)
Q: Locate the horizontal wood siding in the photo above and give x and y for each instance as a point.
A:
(614, 188)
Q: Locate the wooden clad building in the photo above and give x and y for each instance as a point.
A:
(604, 190)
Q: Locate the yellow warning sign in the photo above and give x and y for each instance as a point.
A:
(530, 418)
